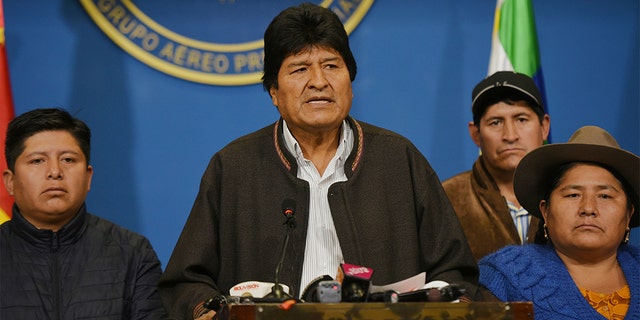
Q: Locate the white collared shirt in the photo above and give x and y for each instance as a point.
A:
(323, 254)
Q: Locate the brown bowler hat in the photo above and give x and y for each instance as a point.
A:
(588, 144)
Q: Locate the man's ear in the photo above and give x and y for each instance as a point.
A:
(7, 177)
(274, 97)
(474, 133)
(545, 127)
(90, 172)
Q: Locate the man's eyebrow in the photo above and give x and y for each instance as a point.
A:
(605, 186)
(306, 62)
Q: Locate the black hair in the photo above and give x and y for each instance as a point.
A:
(39, 120)
(301, 28)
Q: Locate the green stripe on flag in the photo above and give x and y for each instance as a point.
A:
(517, 33)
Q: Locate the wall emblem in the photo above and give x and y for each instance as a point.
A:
(221, 45)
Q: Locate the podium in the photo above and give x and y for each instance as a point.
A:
(380, 310)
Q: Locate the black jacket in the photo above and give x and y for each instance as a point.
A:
(392, 215)
(89, 269)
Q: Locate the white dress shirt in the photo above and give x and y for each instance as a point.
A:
(322, 254)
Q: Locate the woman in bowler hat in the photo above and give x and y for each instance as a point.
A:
(585, 192)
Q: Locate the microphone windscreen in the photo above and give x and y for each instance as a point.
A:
(289, 211)
(355, 281)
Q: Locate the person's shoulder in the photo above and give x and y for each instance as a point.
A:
(378, 138)
(5, 226)
(523, 264)
(462, 178)
(374, 130)
(238, 148)
(504, 253)
(115, 232)
(5, 233)
(631, 250)
(257, 137)
(513, 253)
(261, 133)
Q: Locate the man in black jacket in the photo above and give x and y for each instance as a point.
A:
(57, 261)
(364, 195)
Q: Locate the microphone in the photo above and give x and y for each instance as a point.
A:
(289, 211)
(217, 303)
(322, 289)
(390, 296)
(445, 294)
(355, 282)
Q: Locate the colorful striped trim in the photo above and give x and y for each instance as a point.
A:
(199, 310)
(284, 160)
(356, 162)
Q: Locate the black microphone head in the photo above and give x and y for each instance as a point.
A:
(452, 292)
(288, 207)
(289, 211)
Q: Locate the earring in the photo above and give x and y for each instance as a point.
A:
(626, 235)
(544, 229)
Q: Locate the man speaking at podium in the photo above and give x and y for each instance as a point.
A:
(363, 195)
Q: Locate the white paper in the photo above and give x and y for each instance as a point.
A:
(406, 285)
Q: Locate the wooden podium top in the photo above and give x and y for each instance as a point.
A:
(380, 310)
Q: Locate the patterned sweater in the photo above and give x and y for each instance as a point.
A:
(536, 273)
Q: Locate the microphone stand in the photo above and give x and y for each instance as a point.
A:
(277, 292)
